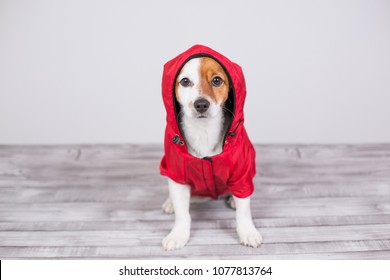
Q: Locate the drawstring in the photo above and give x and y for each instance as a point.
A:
(233, 133)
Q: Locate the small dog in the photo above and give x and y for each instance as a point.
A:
(209, 148)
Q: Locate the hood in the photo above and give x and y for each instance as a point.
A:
(171, 70)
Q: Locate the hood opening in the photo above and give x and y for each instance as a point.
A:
(230, 103)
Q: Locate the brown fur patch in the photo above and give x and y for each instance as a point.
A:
(209, 69)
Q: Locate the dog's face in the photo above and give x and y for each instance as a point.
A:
(202, 87)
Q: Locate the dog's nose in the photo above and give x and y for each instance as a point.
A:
(201, 105)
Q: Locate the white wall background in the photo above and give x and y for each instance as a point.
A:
(90, 71)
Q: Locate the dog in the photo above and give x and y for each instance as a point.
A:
(203, 96)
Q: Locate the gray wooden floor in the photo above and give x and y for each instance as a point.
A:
(104, 201)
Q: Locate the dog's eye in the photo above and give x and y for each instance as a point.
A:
(216, 81)
(185, 82)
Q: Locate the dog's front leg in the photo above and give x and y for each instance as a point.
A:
(180, 233)
(246, 230)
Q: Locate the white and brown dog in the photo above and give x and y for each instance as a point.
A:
(202, 89)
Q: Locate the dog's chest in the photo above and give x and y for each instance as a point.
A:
(203, 138)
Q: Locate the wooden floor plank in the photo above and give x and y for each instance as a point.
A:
(103, 201)
(136, 237)
(123, 192)
(138, 210)
(370, 249)
(196, 224)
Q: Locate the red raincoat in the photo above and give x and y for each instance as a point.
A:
(230, 171)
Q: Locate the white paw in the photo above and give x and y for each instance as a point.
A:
(168, 206)
(249, 236)
(175, 240)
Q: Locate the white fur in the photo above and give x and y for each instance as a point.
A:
(203, 138)
(180, 233)
(249, 236)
